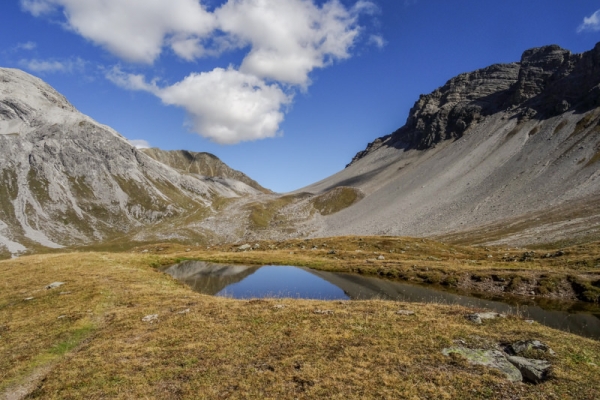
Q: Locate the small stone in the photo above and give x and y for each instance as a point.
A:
(188, 250)
(256, 246)
(331, 252)
(150, 318)
(535, 371)
(244, 247)
(29, 298)
(278, 306)
(328, 312)
(61, 317)
(54, 285)
(405, 312)
(145, 251)
(479, 317)
(187, 310)
(529, 321)
(381, 257)
(63, 293)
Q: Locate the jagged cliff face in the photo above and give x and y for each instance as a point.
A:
(510, 152)
(66, 179)
(204, 164)
(547, 82)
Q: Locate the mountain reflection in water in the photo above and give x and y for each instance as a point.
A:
(285, 281)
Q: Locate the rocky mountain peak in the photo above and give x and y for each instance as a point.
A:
(546, 82)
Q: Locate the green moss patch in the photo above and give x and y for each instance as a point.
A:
(336, 200)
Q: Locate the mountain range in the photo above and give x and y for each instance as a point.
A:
(508, 154)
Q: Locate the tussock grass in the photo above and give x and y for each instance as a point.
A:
(223, 348)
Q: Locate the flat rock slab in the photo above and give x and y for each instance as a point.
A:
(405, 312)
(488, 358)
(479, 317)
(535, 371)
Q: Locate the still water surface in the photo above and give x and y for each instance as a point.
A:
(245, 282)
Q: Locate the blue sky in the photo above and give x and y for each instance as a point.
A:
(298, 85)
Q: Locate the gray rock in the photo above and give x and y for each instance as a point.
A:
(323, 311)
(521, 347)
(479, 317)
(405, 312)
(488, 358)
(150, 318)
(244, 247)
(381, 257)
(535, 371)
(54, 285)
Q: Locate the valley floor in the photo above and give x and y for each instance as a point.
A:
(88, 338)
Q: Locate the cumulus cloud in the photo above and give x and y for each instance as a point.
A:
(284, 42)
(224, 105)
(53, 66)
(288, 39)
(134, 30)
(591, 23)
(140, 143)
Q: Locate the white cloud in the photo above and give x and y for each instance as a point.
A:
(224, 105)
(591, 23)
(289, 39)
(140, 143)
(26, 46)
(134, 30)
(53, 66)
(377, 40)
(285, 42)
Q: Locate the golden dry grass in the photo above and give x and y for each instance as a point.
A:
(225, 348)
(574, 275)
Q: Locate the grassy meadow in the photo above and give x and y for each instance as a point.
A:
(87, 338)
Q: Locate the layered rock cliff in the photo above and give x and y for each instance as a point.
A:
(547, 82)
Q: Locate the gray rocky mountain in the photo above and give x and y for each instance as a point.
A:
(508, 153)
(505, 154)
(65, 179)
(204, 164)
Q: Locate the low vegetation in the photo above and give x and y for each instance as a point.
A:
(336, 200)
(87, 338)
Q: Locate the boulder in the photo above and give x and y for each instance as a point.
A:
(534, 371)
(523, 346)
(488, 358)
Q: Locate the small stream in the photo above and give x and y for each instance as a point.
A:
(246, 282)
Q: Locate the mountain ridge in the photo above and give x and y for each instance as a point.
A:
(201, 163)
